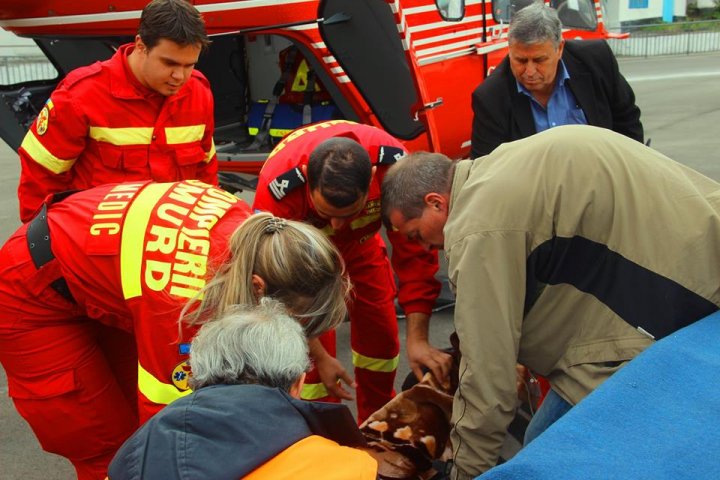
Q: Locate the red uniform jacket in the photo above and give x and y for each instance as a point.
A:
(282, 190)
(102, 126)
(133, 254)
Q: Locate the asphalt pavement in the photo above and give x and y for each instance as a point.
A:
(680, 101)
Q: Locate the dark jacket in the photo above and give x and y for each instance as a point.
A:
(226, 432)
(502, 114)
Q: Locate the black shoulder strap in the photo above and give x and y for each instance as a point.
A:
(286, 182)
(388, 155)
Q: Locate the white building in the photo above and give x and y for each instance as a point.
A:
(624, 12)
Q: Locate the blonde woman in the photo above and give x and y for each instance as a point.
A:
(92, 288)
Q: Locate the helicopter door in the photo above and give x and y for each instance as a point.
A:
(367, 46)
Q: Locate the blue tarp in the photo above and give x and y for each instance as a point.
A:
(657, 418)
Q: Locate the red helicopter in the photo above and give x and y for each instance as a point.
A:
(407, 66)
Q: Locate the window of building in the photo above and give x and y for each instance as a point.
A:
(638, 4)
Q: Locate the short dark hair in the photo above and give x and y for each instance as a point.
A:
(340, 170)
(175, 20)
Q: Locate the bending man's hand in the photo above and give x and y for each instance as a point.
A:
(331, 372)
(421, 354)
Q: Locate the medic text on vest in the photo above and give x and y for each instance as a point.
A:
(178, 239)
(110, 211)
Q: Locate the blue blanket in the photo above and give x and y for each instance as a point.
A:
(657, 418)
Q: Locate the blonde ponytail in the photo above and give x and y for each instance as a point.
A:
(300, 266)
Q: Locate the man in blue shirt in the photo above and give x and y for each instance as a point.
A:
(560, 109)
(545, 82)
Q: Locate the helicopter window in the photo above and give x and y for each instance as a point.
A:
(451, 10)
(576, 13)
(22, 61)
(369, 50)
(503, 10)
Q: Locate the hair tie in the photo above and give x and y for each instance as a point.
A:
(275, 224)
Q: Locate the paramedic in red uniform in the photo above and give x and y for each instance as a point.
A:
(329, 174)
(144, 114)
(92, 288)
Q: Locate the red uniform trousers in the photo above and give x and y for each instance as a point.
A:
(62, 365)
(373, 326)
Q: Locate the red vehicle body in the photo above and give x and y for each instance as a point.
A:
(407, 66)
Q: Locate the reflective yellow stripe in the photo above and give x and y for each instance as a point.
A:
(187, 134)
(157, 391)
(375, 364)
(366, 220)
(313, 391)
(274, 132)
(42, 156)
(280, 132)
(122, 136)
(133, 237)
(209, 155)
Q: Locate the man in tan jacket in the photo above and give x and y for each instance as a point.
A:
(570, 252)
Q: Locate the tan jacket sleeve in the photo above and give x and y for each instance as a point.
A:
(487, 271)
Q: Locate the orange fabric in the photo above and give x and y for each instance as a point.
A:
(317, 458)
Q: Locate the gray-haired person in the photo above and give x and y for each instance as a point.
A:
(546, 82)
(244, 419)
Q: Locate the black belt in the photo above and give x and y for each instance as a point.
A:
(38, 241)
